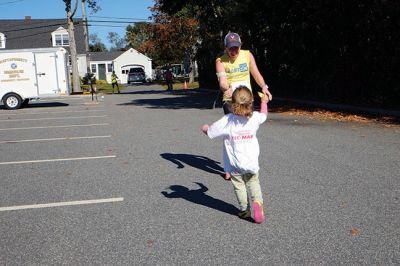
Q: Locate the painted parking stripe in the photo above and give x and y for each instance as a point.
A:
(59, 160)
(73, 107)
(66, 126)
(52, 139)
(59, 112)
(61, 204)
(53, 118)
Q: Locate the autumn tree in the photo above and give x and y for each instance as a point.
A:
(137, 35)
(168, 39)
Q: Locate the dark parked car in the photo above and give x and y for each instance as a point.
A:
(136, 74)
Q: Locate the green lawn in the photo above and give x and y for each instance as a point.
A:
(107, 88)
(178, 85)
(104, 88)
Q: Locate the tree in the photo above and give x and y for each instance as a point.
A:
(72, 44)
(95, 8)
(137, 35)
(207, 33)
(95, 44)
(168, 39)
(119, 44)
(331, 50)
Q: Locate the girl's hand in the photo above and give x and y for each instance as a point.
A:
(264, 97)
(204, 128)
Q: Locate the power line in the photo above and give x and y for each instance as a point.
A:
(39, 27)
(29, 35)
(112, 26)
(11, 2)
(142, 19)
(112, 21)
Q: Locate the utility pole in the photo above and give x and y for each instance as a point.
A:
(86, 36)
(72, 46)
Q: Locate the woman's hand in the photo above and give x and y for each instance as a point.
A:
(266, 91)
(228, 92)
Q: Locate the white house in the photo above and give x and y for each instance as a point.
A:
(43, 33)
(103, 63)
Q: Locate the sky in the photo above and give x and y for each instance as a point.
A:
(117, 13)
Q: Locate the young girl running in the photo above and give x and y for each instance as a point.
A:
(238, 130)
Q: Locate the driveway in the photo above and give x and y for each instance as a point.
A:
(131, 180)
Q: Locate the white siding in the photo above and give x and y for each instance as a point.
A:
(82, 65)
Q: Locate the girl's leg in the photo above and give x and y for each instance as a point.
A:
(253, 185)
(240, 191)
(254, 188)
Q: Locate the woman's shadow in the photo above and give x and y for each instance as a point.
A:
(199, 197)
(197, 161)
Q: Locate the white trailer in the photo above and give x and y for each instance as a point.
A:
(32, 74)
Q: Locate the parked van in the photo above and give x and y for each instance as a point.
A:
(136, 74)
(32, 74)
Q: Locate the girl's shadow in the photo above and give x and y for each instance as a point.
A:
(199, 197)
(197, 161)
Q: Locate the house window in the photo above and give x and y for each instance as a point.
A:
(94, 69)
(2, 40)
(61, 39)
(109, 67)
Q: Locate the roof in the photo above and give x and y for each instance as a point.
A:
(36, 33)
(112, 55)
(105, 56)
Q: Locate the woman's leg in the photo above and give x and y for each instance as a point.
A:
(227, 107)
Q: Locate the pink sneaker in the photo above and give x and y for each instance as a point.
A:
(258, 212)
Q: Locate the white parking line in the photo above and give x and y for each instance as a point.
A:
(60, 112)
(66, 126)
(53, 118)
(52, 139)
(60, 204)
(28, 110)
(59, 160)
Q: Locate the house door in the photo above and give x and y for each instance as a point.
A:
(46, 72)
(102, 71)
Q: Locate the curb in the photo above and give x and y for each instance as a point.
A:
(343, 107)
(329, 106)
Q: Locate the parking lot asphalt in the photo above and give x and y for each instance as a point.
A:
(131, 180)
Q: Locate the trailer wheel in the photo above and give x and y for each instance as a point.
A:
(12, 101)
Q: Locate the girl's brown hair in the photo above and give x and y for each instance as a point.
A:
(242, 102)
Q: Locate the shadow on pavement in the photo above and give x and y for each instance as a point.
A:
(144, 92)
(197, 161)
(180, 99)
(47, 104)
(199, 197)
